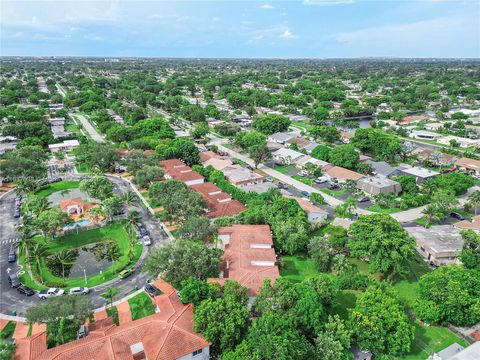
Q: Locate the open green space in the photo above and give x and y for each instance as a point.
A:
(114, 232)
(8, 330)
(383, 210)
(141, 306)
(304, 180)
(297, 268)
(283, 168)
(113, 312)
(336, 193)
(407, 285)
(59, 186)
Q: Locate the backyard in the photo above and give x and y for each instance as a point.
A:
(141, 306)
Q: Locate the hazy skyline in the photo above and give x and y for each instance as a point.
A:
(253, 29)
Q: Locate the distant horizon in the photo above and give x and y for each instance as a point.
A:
(255, 29)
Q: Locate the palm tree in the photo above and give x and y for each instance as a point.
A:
(65, 257)
(110, 293)
(25, 185)
(37, 252)
(474, 200)
(113, 252)
(129, 198)
(95, 213)
(431, 215)
(26, 233)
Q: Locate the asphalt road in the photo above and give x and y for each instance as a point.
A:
(10, 299)
(89, 128)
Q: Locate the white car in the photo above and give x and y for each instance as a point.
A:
(147, 240)
(79, 290)
(320, 180)
(50, 292)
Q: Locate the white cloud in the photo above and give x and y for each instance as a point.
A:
(287, 34)
(327, 2)
(267, 7)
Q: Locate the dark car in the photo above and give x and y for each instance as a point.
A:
(305, 193)
(13, 280)
(12, 256)
(25, 290)
(333, 186)
(457, 216)
(16, 213)
(143, 231)
(151, 290)
(282, 185)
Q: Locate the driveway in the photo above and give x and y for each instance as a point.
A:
(10, 299)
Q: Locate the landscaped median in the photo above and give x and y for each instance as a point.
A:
(100, 242)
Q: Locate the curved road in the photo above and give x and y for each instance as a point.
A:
(10, 299)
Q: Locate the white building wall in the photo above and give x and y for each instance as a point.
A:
(204, 355)
(194, 182)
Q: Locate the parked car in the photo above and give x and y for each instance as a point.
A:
(13, 281)
(151, 290)
(147, 240)
(333, 186)
(16, 213)
(282, 185)
(320, 180)
(79, 290)
(142, 230)
(362, 199)
(269, 178)
(50, 292)
(303, 173)
(25, 290)
(457, 216)
(125, 273)
(305, 193)
(82, 332)
(12, 256)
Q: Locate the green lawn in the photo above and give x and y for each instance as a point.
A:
(59, 186)
(383, 210)
(431, 339)
(141, 306)
(283, 168)
(113, 312)
(336, 193)
(239, 162)
(8, 330)
(346, 299)
(301, 125)
(407, 285)
(114, 232)
(298, 268)
(304, 180)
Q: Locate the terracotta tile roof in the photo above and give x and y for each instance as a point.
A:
(32, 347)
(249, 256)
(308, 207)
(64, 204)
(469, 225)
(220, 204)
(219, 164)
(165, 335)
(342, 173)
(179, 171)
(467, 163)
(207, 155)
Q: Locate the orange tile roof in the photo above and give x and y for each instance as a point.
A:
(64, 204)
(207, 155)
(249, 257)
(179, 171)
(342, 173)
(165, 335)
(220, 204)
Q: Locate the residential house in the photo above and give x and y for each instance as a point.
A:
(281, 137)
(286, 156)
(346, 136)
(7, 143)
(414, 119)
(421, 174)
(433, 126)
(468, 165)
(341, 174)
(310, 146)
(436, 158)
(176, 169)
(300, 142)
(374, 185)
(165, 335)
(439, 245)
(66, 145)
(344, 223)
(249, 257)
(241, 176)
(459, 141)
(469, 225)
(307, 159)
(458, 352)
(259, 188)
(207, 155)
(424, 135)
(315, 214)
(179, 132)
(219, 203)
(220, 164)
(382, 168)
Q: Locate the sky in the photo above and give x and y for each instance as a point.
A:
(241, 29)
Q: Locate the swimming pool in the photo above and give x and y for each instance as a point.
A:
(80, 223)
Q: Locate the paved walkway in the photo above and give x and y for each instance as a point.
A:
(21, 330)
(89, 128)
(100, 315)
(124, 314)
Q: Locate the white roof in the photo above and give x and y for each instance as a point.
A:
(420, 172)
(288, 153)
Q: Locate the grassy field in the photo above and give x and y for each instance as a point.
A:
(113, 312)
(297, 268)
(141, 306)
(429, 340)
(304, 180)
(336, 193)
(283, 168)
(114, 232)
(59, 186)
(407, 285)
(382, 210)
